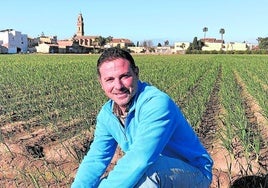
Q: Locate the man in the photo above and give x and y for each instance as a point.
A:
(160, 147)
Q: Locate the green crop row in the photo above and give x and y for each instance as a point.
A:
(49, 89)
(40, 85)
(54, 90)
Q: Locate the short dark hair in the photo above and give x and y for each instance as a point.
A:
(115, 53)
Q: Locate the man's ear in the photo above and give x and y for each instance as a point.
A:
(99, 80)
(137, 71)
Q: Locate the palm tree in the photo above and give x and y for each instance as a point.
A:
(222, 31)
(205, 29)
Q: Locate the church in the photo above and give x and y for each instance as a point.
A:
(93, 42)
(81, 43)
(78, 43)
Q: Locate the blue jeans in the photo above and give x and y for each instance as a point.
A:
(169, 172)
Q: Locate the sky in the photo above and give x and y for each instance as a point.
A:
(139, 20)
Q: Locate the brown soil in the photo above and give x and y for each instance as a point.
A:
(230, 170)
(33, 155)
(38, 156)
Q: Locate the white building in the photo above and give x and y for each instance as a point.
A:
(14, 41)
(217, 45)
(181, 47)
(47, 48)
(135, 49)
(213, 46)
(236, 46)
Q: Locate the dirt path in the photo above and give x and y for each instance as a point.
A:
(209, 133)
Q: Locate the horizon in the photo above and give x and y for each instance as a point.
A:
(139, 21)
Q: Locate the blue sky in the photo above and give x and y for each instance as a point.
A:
(139, 20)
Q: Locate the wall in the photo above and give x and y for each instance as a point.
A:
(14, 41)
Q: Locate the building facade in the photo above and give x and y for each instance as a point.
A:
(13, 41)
(181, 47)
(212, 44)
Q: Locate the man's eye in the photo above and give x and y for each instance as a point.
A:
(109, 80)
(126, 76)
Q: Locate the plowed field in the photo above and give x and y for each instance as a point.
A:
(48, 111)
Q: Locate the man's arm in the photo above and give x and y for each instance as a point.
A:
(97, 159)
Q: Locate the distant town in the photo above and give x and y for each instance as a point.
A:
(12, 42)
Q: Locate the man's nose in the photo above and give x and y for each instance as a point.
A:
(118, 84)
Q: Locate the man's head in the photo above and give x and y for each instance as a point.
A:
(118, 75)
(115, 53)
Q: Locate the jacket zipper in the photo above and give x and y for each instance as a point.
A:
(122, 127)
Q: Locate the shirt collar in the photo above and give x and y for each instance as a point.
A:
(118, 112)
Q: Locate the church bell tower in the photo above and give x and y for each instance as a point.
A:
(80, 25)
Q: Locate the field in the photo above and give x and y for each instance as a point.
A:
(48, 106)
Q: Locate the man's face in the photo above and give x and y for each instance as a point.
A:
(118, 81)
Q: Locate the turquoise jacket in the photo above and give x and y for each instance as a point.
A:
(154, 126)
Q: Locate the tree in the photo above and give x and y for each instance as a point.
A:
(147, 43)
(222, 32)
(196, 44)
(263, 42)
(205, 29)
(150, 43)
(101, 41)
(109, 39)
(166, 43)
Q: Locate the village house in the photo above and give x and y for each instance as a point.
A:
(163, 50)
(32, 43)
(48, 39)
(88, 43)
(120, 42)
(47, 48)
(69, 46)
(12, 41)
(47, 44)
(137, 49)
(236, 46)
(181, 47)
(212, 44)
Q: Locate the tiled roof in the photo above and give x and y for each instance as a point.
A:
(212, 40)
(86, 37)
(119, 40)
(65, 42)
